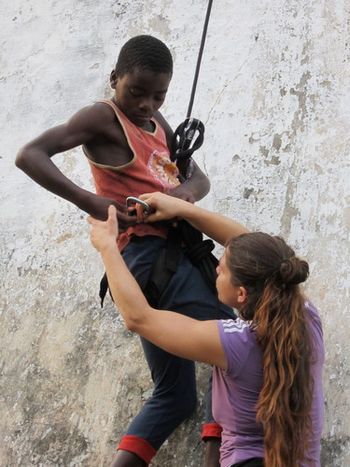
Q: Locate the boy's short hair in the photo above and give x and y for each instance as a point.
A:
(145, 52)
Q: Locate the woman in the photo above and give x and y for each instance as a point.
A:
(267, 377)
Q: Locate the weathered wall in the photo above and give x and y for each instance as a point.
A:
(274, 95)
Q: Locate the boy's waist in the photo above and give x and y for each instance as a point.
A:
(159, 229)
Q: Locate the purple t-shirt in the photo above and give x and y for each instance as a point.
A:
(236, 391)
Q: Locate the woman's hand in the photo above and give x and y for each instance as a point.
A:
(103, 234)
(166, 207)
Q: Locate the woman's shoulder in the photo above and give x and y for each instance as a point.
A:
(237, 331)
(235, 325)
(315, 329)
(313, 313)
(240, 344)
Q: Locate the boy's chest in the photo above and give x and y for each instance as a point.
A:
(110, 148)
(115, 148)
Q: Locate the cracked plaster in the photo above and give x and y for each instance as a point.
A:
(273, 93)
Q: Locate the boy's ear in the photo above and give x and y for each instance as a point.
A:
(113, 79)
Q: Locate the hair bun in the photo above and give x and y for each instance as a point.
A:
(293, 271)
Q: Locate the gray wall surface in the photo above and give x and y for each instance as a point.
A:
(274, 95)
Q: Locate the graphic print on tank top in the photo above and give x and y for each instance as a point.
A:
(163, 169)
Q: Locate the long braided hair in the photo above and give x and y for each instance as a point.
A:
(269, 270)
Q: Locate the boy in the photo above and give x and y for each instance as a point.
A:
(126, 141)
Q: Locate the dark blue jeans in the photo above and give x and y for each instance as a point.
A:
(174, 397)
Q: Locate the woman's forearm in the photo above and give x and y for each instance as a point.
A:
(124, 288)
(216, 226)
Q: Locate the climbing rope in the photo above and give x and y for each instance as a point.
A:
(189, 135)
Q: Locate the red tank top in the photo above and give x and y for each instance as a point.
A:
(150, 169)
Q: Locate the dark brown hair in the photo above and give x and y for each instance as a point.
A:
(269, 270)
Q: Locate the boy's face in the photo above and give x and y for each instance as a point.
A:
(140, 93)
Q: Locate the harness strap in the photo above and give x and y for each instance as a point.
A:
(196, 249)
(199, 252)
(164, 267)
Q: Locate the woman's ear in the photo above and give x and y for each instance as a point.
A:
(242, 296)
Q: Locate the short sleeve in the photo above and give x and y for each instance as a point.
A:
(236, 338)
(316, 332)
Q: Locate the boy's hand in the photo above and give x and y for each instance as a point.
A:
(182, 192)
(103, 234)
(97, 207)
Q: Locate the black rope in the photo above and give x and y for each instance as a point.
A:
(199, 59)
(189, 135)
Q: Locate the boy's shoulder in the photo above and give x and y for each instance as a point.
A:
(97, 112)
(96, 119)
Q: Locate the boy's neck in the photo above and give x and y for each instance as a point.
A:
(148, 126)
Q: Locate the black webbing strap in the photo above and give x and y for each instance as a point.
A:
(199, 252)
(196, 249)
(164, 267)
(162, 271)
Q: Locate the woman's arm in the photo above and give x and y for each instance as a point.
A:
(216, 226)
(173, 332)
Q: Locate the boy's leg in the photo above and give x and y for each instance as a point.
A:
(174, 396)
(127, 459)
(212, 452)
(173, 401)
(189, 295)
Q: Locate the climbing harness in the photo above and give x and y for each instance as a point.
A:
(189, 135)
(182, 238)
(196, 249)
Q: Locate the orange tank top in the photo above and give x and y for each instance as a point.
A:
(150, 169)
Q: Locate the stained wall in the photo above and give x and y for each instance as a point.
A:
(274, 96)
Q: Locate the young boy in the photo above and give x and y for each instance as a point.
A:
(126, 141)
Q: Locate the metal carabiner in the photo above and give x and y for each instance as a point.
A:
(130, 200)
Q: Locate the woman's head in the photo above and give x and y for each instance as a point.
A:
(265, 274)
(257, 260)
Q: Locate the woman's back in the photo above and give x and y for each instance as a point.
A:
(236, 391)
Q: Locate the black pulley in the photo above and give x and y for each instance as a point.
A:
(188, 137)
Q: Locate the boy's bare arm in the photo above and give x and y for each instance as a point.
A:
(195, 183)
(193, 188)
(35, 159)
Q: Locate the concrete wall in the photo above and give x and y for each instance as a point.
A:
(274, 95)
